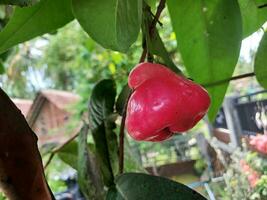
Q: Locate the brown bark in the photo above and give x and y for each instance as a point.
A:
(21, 170)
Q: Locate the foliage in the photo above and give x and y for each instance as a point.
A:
(29, 22)
(211, 46)
(120, 20)
(201, 53)
(260, 62)
(208, 34)
(145, 188)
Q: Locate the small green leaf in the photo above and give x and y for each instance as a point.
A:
(132, 186)
(209, 35)
(114, 24)
(68, 154)
(29, 22)
(253, 15)
(18, 2)
(261, 62)
(122, 98)
(89, 177)
(101, 107)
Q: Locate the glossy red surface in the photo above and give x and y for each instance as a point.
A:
(163, 103)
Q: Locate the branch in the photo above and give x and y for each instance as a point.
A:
(229, 79)
(263, 6)
(152, 27)
(57, 149)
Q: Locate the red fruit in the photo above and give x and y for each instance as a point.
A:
(163, 103)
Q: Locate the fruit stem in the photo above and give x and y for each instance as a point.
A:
(121, 148)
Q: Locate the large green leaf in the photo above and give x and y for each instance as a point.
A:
(253, 15)
(132, 186)
(18, 2)
(29, 22)
(101, 107)
(209, 35)
(89, 177)
(261, 62)
(114, 24)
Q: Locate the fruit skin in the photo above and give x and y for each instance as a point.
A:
(163, 103)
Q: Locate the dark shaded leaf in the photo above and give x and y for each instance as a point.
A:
(101, 107)
(89, 178)
(253, 16)
(209, 35)
(29, 22)
(114, 24)
(22, 173)
(261, 62)
(132, 186)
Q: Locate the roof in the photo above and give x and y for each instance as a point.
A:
(24, 105)
(60, 99)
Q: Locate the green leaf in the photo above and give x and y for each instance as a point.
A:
(132, 186)
(89, 178)
(131, 162)
(114, 24)
(29, 22)
(68, 154)
(122, 98)
(18, 2)
(155, 44)
(260, 67)
(209, 35)
(253, 16)
(101, 107)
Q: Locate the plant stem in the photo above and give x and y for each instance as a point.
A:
(121, 148)
(57, 149)
(229, 79)
(152, 27)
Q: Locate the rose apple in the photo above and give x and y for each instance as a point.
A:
(162, 103)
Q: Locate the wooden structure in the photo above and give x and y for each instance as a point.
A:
(49, 116)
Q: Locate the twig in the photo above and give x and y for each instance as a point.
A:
(229, 79)
(153, 24)
(121, 148)
(263, 6)
(57, 149)
(152, 27)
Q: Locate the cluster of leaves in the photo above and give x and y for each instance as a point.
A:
(209, 35)
(206, 46)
